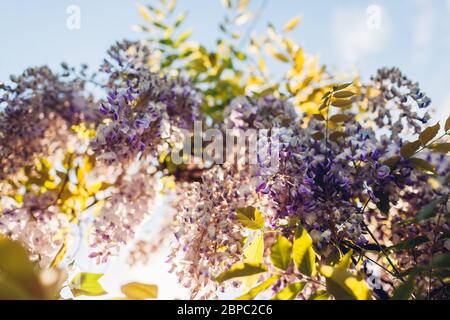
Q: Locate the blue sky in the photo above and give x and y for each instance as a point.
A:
(412, 34)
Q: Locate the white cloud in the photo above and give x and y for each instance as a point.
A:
(359, 32)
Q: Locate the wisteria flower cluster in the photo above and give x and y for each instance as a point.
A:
(348, 196)
(38, 107)
(337, 176)
(141, 114)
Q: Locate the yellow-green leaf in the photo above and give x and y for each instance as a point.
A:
(258, 289)
(429, 133)
(319, 117)
(250, 217)
(290, 292)
(334, 136)
(337, 118)
(342, 86)
(280, 56)
(344, 94)
(281, 253)
(186, 34)
(404, 291)
(324, 104)
(303, 252)
(86, 284)
(17, 272)
(409, 148)
(320, 295)
(226, 3)
(429, 210)
(391, 162)
(140, 291)
(346, 260)
(341, 103)
(344, 285)
(441, 147)
(254, 253)
(447, 124)
(241, 269)
(422, 164)
(143, 11)
(291, 24)
(255, 250)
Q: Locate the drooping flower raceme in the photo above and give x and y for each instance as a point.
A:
(36, 112)
(142, 112)
(38, 224)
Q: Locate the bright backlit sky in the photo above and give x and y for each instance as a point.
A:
(412, 34)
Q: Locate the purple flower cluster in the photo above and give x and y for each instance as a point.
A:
(36, 111)
(335, 178)
(38, 224)
(260, 113)
(208, 239)
(143, 111)
(401, 104)
(123, 212)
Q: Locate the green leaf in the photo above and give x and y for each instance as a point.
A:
(391, 162)
(251, 218)
(429, 133)
(17, 272)
(183, 37)
(447, 124)
(324, 104)
(429, 210)
(411, 243)
(258, 289)
(344, 94)
(409, 148)
(327, 95)
(140, 291)
(346, 260)
(143, 11)
(11, 290)
(341, 103)
(318, 116)
(404, 291)
(303, 252)
(179, 20)
(422, 164)
(160, 25)
(337, 118)
(441, 261)
(336, 135)
(290, 292)
(320, 295)
(255, 250)
(291, 24)
(280, 56)
(344, 285)
(281, 253)
(441, 147)
(254, 253)
(241, 269)
(342, 86)
(86, 284)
